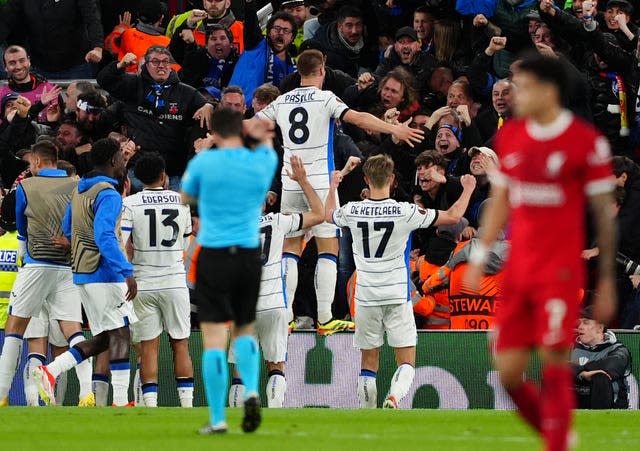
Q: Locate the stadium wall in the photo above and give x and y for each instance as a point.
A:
(453, 371)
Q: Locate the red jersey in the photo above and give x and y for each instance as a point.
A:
(550, 171)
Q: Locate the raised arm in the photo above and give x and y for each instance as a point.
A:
(330, 204)
(454, 214)
(401, 131)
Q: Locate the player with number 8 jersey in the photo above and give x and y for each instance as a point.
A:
(307, 118)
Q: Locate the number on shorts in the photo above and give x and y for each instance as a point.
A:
(364, 226)
(298, 132)
(266, 246)
(170, 214)
(557, 309)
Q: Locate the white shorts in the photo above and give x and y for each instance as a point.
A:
(168, 310)
(42, 326)
(272, 329)
(106, 306)
(297, 203)
(272, 332)
(395, 319)
(36, 284)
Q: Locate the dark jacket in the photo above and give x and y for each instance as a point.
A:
(628, 220)
(335, 81)
(59, 32)
(197, 64)
(15, 135)
(340, 56)
(160, 129)
(610, 356)
(421, 68)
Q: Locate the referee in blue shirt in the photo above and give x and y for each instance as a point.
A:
(230, 184)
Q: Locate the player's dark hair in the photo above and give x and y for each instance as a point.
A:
(102, 151)
(283, 16)
(46, 150)
(547, 70)
(378, 169)
(622, 164)
(431, 157)
(227, 122)
(309, 63)
(67, 167)
(348, 11)
(149, 167)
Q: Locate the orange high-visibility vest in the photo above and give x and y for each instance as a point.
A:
(136, 42)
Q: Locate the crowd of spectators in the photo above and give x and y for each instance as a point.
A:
(440, 65)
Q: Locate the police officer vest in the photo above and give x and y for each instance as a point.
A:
(47, 200)
(85, 257)
(8, 271)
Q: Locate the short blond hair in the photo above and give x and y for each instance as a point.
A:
(378, 169)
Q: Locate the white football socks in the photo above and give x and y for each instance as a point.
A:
(236, 393)
(100, 384)
(9, 360)
(84, 369)
(61, 388)
(290, 267)
(325, 284)
(120, 385)
(30, 384)
(276, 388)
(367, 391)
(401, 381)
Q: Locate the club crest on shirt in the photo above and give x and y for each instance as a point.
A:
(512, 160)
(555, 161)
(173, 108)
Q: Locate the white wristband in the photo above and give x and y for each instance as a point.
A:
(479, 253)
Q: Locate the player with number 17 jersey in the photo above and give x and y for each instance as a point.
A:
(381, 231)
(307, 117)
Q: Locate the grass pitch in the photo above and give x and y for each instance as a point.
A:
(123, 429)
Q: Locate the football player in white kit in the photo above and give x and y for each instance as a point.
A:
(272, 328)
(307, 118)
(158, 224)
(381, 229)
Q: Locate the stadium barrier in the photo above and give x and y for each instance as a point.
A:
(453, 371)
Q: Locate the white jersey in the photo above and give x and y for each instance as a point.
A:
(381, 231)
(273, 228)
(158, 223)
(306, 118)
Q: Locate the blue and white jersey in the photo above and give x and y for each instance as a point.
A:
(158, 224)
(381, 231)
(306, 117)
(273, 228)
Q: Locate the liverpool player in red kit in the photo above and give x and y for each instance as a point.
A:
(551, 164)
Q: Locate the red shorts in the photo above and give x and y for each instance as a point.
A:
(537, 314)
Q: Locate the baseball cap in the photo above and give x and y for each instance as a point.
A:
(8, 96)
(291, 3)
(311, 44)
(407, 31)
(533, 14)
(484, 150)
(624, 5)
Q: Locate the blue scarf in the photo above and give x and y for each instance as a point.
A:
(155, 95)
(216, 69)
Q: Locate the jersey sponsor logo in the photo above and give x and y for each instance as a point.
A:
(511, 161)
(537, 194)
(300, 97)
(8, 256)
(382, 210)
(555, 161)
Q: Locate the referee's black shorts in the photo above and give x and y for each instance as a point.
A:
(228, 284)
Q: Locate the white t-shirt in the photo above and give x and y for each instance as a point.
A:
(158, 223)
(381, 231)
(306, 118)
(273, 228)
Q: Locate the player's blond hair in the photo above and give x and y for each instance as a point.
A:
(378, 169)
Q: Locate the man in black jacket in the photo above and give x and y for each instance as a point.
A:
(600, 365)
(158, 109)
(63, 35)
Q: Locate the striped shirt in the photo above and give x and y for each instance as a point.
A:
(158, 224)
(273, 228)
(381, 231)
(306, 117)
